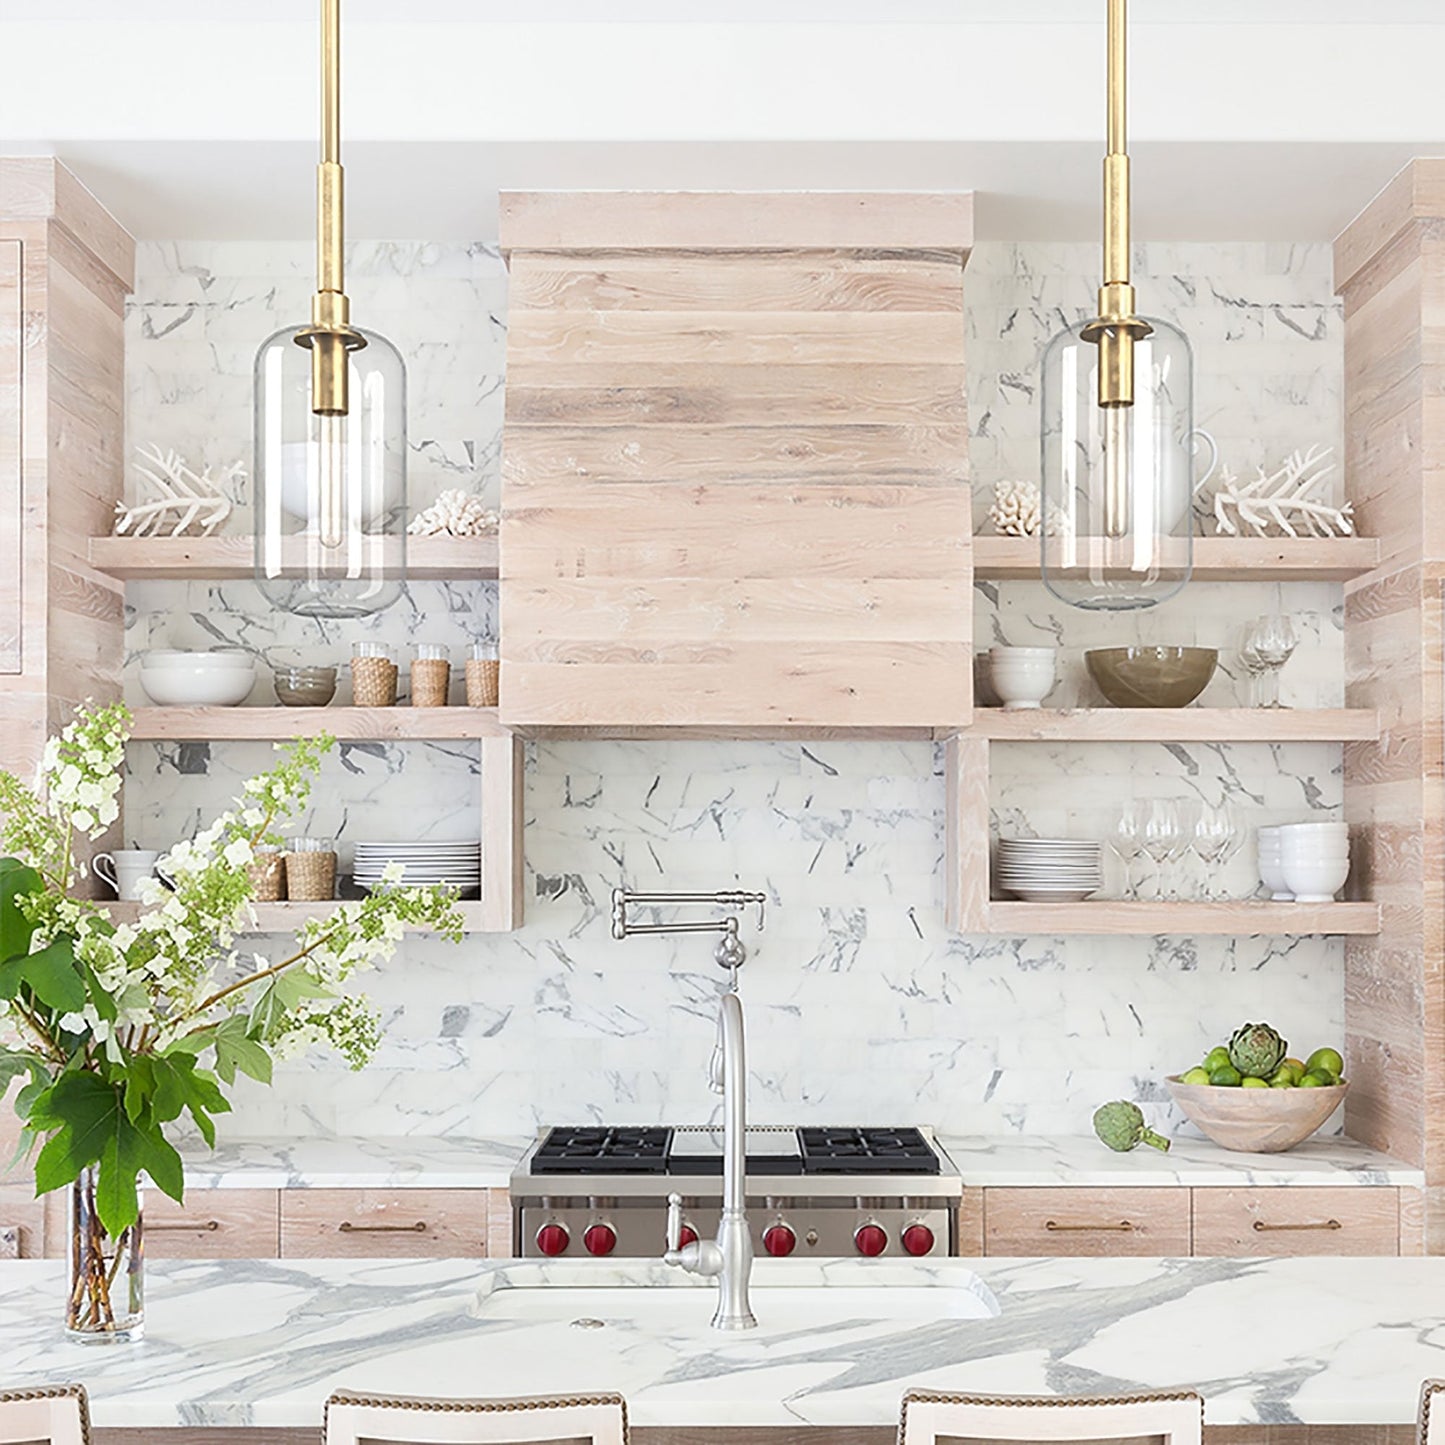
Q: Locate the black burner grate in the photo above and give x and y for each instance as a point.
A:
(570, 1149)
(867, 1151)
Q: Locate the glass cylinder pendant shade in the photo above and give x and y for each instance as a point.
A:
(1117, 481)
(330, 491)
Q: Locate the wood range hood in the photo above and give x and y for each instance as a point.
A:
(734, 465)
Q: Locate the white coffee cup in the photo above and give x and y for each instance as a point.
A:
(125, 869)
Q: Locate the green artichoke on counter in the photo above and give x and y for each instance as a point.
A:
(1256, 1050)
(1121, 1126)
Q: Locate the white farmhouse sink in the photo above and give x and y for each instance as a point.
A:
(785, 1294)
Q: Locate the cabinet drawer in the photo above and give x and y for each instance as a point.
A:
(212, 1224)
(1086, 1221)
(383, 1223)
(1293, 1220)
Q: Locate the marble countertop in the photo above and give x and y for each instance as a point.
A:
(262, 1343)
(418, 1161)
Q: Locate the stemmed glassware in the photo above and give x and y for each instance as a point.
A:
(1269, 643)
(1215, 841)
(1164, 842)
(1128, 843)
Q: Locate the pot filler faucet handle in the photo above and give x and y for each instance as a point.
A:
(674, 1223)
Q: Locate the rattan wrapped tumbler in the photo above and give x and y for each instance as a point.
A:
(310, 870)
(431, 676)
(483, 675)
(268, 875)
(373, 675)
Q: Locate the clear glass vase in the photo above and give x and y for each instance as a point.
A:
(107, 1275)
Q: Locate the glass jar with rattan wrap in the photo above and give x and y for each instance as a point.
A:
(431, 675)
(310, 870)
(483, 675)
(373, 675)
(268, 875)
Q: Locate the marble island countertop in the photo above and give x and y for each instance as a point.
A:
(262, 1343)
(444, 1162)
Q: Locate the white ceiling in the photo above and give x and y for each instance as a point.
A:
(1269, 119)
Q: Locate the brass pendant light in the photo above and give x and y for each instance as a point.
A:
(330, 424)
(1117, 397)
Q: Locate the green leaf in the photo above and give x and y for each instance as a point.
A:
(15, 1064)
(235, 1049)
(105, 1005)
(49, 974)
(280, 997)
(140, 1084)
(162, 1164)
(80, 1112)
(17, 880)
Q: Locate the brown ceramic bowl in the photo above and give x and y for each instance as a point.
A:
(1151, 676)
(1256, 1121)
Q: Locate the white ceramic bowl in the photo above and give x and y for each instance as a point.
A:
(165, 657)
(178, 686)
(1022, 676)
(1314, 882)
(1271, 869)
(1317, 829)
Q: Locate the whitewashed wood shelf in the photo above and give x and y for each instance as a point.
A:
(1216, 559)
(1175, 725)
(288, 917)
(221, 559)
(1162, 918)
(346, 724)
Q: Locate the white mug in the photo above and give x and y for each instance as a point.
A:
(125, 869)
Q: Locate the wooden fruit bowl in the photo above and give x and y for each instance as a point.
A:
(1256, 1121)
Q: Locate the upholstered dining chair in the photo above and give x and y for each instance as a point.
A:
(45, 1415)
(1432, 1413)
(931, 1417)
(587, 1419)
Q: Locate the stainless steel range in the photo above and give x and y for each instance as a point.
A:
(811, 1192)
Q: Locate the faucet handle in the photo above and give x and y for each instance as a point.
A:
(674, 1223)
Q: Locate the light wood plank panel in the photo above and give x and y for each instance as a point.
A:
(569, 221)
(11, 491)
(809, 280)
(966, 834)
(1349, 1220)
(503, 821)
(41, 188)
(768, 338)
(353, 724)
(1177, 724)
(1412, 1221)
(1385, 1106)
(288, 917)
(1216, 559)
(383, 1223)
(24, 1219)
(213, 1224)
(537, 459)
(499, 1224)
(970, 1224)
(810, 609)
(1072, 1221)
(567, 394)
(1270, 920)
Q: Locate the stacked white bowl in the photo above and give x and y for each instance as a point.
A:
(1022, 676)
(173, 678)
(1306, 862)
(1050, 870)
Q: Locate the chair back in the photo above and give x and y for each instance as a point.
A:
(1432, 1413)
(933, 1417)
(592, 1419)
(46, 1415)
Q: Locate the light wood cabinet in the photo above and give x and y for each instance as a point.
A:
(1296, 1221)
(213, 1224)
(1069, 1221)
(12, 497)
(383, 1223)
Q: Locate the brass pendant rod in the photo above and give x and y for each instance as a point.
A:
(1116, 162)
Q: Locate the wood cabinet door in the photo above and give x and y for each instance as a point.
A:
(213, 1224)
(12, 332)
(1070, 1221)
(383, 1223)
(1294, 1220)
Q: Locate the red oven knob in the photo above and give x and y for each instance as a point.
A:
(686, 1235)
(600, 1239)
(553, 1239)
(870, 1239)
(779, 1239)
(918, 1239)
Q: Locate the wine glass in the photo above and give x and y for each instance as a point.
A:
(1163, 841)
(1128, 843)
(1272, 640)
(1215, 829)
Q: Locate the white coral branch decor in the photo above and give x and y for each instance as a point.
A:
(1283, 498)
(454, 514)
(1016, 509)
(176, 497)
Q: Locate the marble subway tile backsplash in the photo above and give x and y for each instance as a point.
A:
(862, 1007)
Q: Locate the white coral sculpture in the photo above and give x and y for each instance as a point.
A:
(454, 514)
(178, 497)
(1283, 498)
(1016, 509)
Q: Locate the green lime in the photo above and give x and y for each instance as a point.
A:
(1217, 1058)
(1296, 1064)
(1253, 1083)
(1195, 1076)
(1286, 1076)
(1316, 1079)
(1227, 1077)
(1325, 1061)
(1285, 1083)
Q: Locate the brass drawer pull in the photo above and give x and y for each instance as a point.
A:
(1124, 1226)
(347, 1227)
(1261, 1226)
(205, 1226)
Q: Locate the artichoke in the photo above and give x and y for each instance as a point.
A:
(1121, 1126)
(1256, 1050)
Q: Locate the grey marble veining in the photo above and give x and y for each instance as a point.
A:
(1330, 1342)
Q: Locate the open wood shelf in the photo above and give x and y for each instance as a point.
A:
(1216, 559)
(346, 724)
(219, 559)
(1107, 917)
(288, 917)
(1176, 725)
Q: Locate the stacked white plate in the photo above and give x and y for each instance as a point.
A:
(1050, 870)
(457, 865)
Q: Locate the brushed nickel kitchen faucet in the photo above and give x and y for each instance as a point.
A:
(729, 1258)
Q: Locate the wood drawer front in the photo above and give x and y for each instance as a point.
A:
(1292, 1220)
(1086, 1221)
(383, 1223)
(213, 1224)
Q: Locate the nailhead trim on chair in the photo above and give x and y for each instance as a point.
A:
(479, 1407)
(55, 1392)
(944, 1397)
(1430, 1391)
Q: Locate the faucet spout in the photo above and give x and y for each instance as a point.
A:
(734, 1242)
